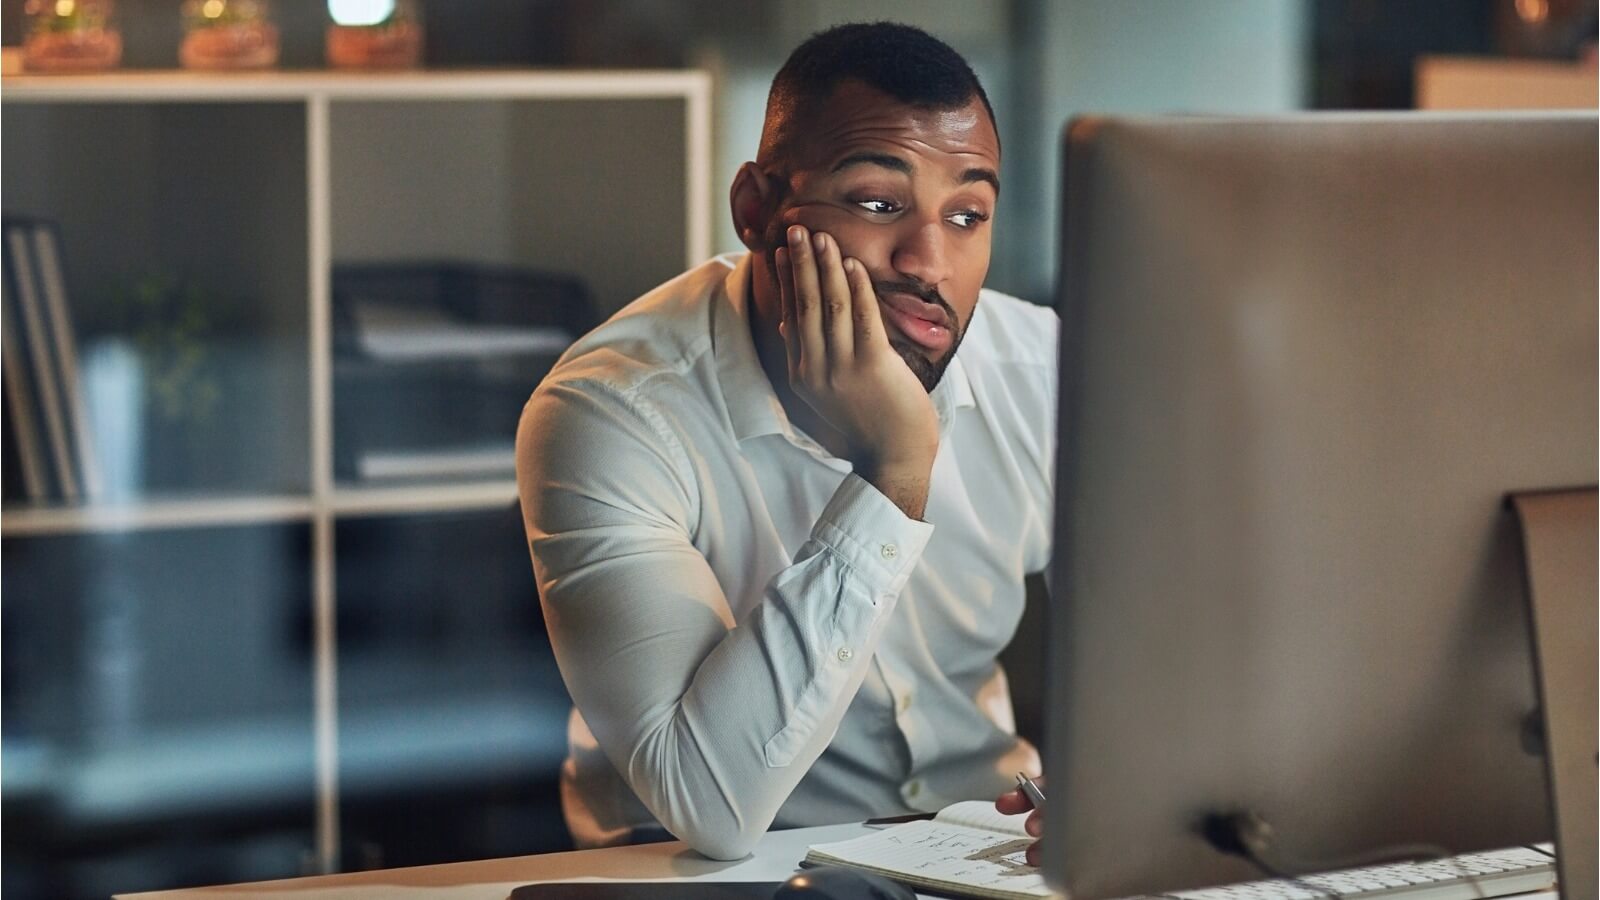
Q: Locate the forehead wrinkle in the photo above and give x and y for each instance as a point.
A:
(853, 126)
(980, 169)
(850, 137)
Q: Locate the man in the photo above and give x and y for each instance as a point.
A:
(779, 523)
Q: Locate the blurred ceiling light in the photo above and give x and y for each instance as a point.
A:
(1533, 12)
(213, 9)
(362, 12)
(65, 8)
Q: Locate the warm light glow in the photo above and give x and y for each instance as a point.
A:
(1533, 12)
(360, 12)
(212, 9)
(65, 8)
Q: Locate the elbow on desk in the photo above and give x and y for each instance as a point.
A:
(681, 790)
(721, 834)
(724, 844)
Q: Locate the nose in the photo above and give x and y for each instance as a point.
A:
(922, 255)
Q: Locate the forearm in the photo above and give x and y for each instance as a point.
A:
(717, 766)
(713, 725)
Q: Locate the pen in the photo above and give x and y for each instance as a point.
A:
(1034, 795)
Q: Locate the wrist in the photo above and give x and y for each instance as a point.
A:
(900, 460)
(904, 482)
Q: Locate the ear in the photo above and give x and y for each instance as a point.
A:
(753, 200)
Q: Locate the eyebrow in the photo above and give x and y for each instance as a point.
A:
(896, 164)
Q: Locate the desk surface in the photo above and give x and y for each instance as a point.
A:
(776, 857)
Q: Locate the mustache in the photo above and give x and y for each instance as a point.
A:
(924, 292)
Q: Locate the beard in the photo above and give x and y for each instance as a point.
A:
(928, 371)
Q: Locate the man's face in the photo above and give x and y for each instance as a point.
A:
(909, 193)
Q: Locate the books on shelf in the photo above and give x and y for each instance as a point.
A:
(47, 423)
(24, 455)
(968, 850)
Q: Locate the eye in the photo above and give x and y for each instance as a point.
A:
(970, 218)
(879, 206)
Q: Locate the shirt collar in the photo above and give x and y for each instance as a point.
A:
(753, 407)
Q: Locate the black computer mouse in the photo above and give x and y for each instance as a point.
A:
(837, 883)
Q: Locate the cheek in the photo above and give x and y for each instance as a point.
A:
(861, 240)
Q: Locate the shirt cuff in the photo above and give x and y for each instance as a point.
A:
(870, 533)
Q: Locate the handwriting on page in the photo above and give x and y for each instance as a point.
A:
(937, 852)
(959, 854)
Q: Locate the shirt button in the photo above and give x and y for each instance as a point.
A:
(905, 702)
(914, 788)
(844, 654)
(889, 551)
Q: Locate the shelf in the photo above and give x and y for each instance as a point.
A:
(235, 579)
(265, 762)
(151, 514)
(156, 86)
(16, 521)
(1460, 82)
(360, 501)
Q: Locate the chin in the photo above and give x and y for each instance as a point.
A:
(927, 371)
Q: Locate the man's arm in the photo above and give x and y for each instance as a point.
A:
(712, 725)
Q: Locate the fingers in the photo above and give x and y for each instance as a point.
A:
(788, 327)
(807, 300)
(836, 300)
(1012, 803)
(866, 318)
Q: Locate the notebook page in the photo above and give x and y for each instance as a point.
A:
(982, 814)
(969, 862)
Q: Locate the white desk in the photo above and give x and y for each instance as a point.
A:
(776, 857)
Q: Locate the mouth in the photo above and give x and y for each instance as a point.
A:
(925, 324)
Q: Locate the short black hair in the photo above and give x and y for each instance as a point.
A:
(904, 62)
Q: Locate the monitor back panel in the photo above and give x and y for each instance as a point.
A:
(1304, 361)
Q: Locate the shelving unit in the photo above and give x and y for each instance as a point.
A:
(262, 183)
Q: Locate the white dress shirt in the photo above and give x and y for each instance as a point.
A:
(754, 636)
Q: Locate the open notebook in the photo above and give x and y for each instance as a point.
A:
(968, 849)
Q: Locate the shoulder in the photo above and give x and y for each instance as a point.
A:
(664, 333)
(622, 388)
(1009, 356)
(1010, 331)
(1012, 347)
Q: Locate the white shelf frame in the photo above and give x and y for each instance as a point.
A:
(196, 512)
(327, 501)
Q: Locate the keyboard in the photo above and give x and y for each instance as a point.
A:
(1496, 873)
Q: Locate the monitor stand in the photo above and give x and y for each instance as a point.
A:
(1559, 538)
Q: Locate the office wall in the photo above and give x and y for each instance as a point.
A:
(1129, 57)
(1041, 61)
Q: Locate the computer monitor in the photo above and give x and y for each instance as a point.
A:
(1305, 359)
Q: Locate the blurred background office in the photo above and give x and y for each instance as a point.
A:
(267, 606)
